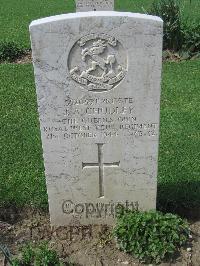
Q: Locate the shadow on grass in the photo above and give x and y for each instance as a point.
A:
(180, 198)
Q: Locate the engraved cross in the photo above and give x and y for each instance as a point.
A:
(101, 166)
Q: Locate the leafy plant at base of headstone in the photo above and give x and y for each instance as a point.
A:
(37, 255)
(150, 236)
(169, 11)
(10, 51)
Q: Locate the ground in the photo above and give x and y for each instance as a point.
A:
(81, 246)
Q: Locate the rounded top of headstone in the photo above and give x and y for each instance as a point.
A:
(95, 14)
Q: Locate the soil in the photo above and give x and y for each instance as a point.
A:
(25, 59)
(88, 245)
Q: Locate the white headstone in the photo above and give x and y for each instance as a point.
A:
(98, 88)
(94, 5)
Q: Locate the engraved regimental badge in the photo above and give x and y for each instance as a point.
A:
(98, 62)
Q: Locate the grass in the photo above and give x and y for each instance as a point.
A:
(179, 167)
(21, 169)
(190, 8)
(16, 15)
(22, 178)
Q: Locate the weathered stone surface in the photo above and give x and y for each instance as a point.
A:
(98, 88)
(94, 5)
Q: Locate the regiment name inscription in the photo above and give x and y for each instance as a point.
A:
(100, 117)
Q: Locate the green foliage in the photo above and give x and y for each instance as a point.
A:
(10, 51)
(192, 38)
(169, 11)
(39, 255)
(179, 33)
(150, 236)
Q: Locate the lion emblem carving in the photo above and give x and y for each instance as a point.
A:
(99, 68)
